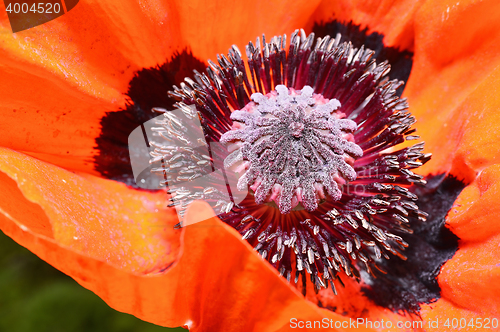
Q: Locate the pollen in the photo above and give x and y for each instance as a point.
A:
(293, 147)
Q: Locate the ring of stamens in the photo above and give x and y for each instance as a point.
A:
(339, 237)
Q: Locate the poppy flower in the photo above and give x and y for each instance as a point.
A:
(71, 89)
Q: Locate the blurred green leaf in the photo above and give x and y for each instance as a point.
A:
(36, 297)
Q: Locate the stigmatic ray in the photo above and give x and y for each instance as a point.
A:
(312, 130)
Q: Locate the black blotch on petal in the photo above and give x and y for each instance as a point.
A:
(146, 90)
(410, 283)
(401, 61)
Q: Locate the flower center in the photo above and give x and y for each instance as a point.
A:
(314, 122)
(293, 146)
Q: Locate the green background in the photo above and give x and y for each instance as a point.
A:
(36, 297)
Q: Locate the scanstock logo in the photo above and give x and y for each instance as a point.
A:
(26, 14)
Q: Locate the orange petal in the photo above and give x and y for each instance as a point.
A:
(351, 302)
(238, 22)
(213, 281)
(471, 278)
(453, 77)
(394, 19)
(15, 206)
(476, 208)
(479, 145)
(97, 46)
(60, 78)
(42, 115)
(443, 316)
(100, 218)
